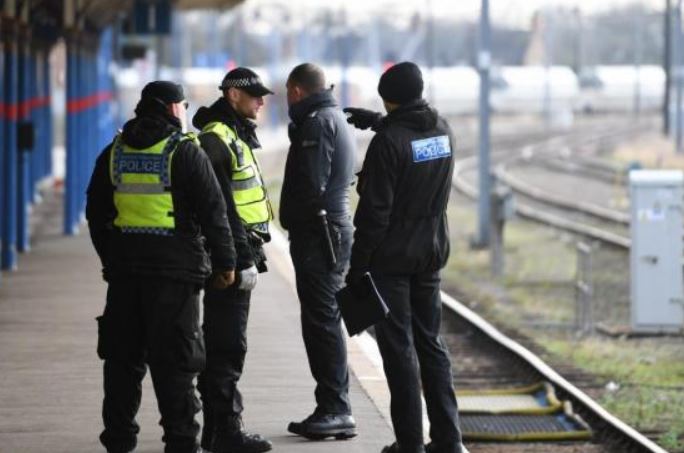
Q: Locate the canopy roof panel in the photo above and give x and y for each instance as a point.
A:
(97, 14)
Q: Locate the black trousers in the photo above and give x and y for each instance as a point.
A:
(150, 321)
(412, 351)
(317, 283)
(225, 333)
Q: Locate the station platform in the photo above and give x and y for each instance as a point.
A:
(51, 392)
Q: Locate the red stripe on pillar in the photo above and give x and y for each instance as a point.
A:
(85, 103)
(11, 112)
(22, 110)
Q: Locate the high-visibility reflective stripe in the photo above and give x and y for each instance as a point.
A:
(249, 193)
(246, 184)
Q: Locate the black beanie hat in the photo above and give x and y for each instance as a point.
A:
(402, 83)
(161, 90)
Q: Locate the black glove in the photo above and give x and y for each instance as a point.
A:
(362, 118)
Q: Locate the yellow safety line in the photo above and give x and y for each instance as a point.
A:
(554, 403)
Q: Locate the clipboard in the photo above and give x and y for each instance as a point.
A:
(361, 305)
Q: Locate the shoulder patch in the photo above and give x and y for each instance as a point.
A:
(309, 143)
(431, 148)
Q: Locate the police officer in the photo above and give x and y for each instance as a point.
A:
(153, 200)
(229, 139)
(402, 238)
(314, 208)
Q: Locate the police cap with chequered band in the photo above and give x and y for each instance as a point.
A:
(245, 80)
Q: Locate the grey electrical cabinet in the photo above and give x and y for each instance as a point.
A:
(657, 282)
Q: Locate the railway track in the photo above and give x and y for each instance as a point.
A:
(483, 356)
(589, 219)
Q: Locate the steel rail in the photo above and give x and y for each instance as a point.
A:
(540, 194)
(531, 213)
(550, 374)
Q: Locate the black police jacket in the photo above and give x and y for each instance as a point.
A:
(320, 164)
(249, 251)
(404, 185)
(199, 211)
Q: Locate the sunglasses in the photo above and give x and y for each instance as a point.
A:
(186, 104)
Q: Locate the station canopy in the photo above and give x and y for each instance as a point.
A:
(100, 13)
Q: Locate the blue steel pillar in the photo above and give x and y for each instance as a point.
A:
(83, 137)
(37, 119)
(106, 55)
(91, 121)
(9, 177)
(47, 115)
(23, 162)
(2, 126)
(71, 213)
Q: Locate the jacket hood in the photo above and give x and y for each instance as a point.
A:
(417, 115)
(144, 131)
(222, 111)
(299, 110)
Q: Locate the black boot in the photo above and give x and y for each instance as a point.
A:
(434, 448)
(319, 426)
(395, 448)
(230, 437)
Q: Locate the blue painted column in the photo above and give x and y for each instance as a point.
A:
(104, 85)
(72, 142)
(9, 177)
(37, 170)
(83, 137)
(47, 115)
(23, 155)
(108, 81)
(88, 130)
(2, 130)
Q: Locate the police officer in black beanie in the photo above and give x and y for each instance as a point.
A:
(401, 238)
(153, 206)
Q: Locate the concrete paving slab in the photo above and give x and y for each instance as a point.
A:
(51, 377)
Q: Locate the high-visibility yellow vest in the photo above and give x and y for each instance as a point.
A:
(249, 192)
(142, 185)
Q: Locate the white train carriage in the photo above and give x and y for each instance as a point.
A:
(534, 89)
(621, 88)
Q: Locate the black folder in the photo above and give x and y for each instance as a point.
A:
(361, 305)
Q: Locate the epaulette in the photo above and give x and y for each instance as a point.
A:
(191, 136)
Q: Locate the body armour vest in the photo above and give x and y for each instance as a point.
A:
(142, 186)
(249, 192)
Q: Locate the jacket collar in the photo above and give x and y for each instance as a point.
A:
(222, 111)
(145, 130)
(416, 115)
(300, 110)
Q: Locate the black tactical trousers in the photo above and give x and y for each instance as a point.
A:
(225, 334)
(412, 351)
(317, 283)
(150, 321)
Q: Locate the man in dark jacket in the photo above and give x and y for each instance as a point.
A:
(402, 239)
(153, 203)
(229, 139)
(314, 208)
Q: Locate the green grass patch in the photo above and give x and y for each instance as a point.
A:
(538, 287)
